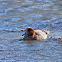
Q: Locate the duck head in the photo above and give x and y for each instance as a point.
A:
(30, 31)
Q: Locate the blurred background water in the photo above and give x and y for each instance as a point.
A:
(17, 15)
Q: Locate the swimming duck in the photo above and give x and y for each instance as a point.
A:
(32, 34)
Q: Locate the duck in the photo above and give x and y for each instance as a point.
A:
(32, 34)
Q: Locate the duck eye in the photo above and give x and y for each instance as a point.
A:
(29, 30)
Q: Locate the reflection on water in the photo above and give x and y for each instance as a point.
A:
(17, 15)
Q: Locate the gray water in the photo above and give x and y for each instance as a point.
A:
(16, 15)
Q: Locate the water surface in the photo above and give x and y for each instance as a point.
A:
(16, 15)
